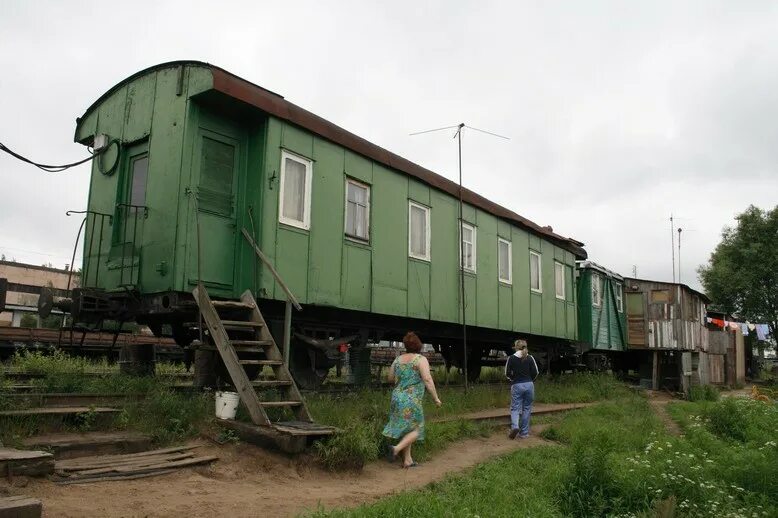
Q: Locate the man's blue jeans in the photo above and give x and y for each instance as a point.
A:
(522, 396)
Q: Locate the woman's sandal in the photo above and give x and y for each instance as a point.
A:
(411, 465)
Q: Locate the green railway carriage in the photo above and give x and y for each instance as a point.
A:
(602, 324)
(366, 240)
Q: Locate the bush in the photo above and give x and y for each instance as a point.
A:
(704, 393)
(742, 420)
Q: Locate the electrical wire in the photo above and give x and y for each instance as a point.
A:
(50, 168)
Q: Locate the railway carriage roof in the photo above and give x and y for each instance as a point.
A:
(238, 88)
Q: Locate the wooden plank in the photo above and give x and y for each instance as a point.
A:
(230, 358)
(280, 403)
(324, 430)
(70, 445)
(231, 304)
(134, 466)
(115, 477)
(261, 362)
(20, 507)
(25, 462)
(65, 410)
(114, 458)
(271, 383)
(241, 323)
(111, 466)
(135, 470)
(266, 436)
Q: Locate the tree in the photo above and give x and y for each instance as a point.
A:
(742, 273)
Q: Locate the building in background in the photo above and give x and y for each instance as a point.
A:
(23, 284)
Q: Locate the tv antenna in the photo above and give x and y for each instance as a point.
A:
(458, 135)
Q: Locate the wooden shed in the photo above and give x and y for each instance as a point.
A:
(667, 319)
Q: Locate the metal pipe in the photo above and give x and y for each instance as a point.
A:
(462, 258)
(99, 251)
(124, 247)
(287, 331)
(132, 250)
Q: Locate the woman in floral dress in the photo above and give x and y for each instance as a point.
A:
(411, 371)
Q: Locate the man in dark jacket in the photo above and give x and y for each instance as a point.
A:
(521, 369)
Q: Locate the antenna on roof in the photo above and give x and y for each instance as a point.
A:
(672, 243)
(458, 135)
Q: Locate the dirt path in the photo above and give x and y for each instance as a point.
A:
(658, 402)
(248, 481)
(497, 413)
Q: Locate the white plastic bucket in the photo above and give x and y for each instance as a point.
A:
(227, 404)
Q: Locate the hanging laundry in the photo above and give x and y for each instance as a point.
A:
(744, 329)
(762, 331)
(708, 319)
(751, 326)
(717, 322)
(734, 326)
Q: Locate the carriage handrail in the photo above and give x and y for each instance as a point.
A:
(267, 262)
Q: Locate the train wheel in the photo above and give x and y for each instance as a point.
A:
(205, 363)
(474, 364)
(301, 365)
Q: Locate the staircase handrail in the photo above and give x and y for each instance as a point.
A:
(276, 275)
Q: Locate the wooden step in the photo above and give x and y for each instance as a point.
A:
(240, 324)
(261, 362)
(20, 506)
(275, 404)
(271, 383)
(66, 410)
(72, 445)
(240, 345)
(25, 462)
(231, 304)
(304, 428)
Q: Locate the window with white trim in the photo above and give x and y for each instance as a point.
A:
(418, 231)
(468, 235)
(596, 290)
(504, 261)
(535, 282)
(357, 210)
(620, 298)
(295, 192)
(559, 280)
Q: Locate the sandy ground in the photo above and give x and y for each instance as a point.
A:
(248, 481)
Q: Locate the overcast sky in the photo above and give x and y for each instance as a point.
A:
(618, 113)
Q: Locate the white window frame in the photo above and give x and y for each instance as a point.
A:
(559, 266)
(597, 281)
(620, 297)
(305, 224)
(367, 211)
(470, 268)
(426, 210)
(539, 289)
(509, 280)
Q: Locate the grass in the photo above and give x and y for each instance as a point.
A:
(163, 414)
(169, 416)
(362, 415)
(614, 459)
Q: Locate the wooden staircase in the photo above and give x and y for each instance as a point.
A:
(237, 329)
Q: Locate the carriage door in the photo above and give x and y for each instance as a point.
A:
(217, 158)
(636, 320)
